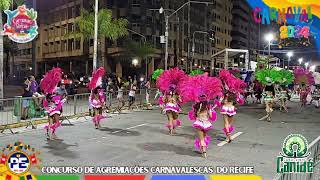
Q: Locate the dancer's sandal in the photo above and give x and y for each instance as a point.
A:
(54, 136)
(228, 138)
(269, 119)
(48, 136)
(204, 153)
(171, 132)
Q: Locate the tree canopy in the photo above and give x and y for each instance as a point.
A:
(108, 27)
(5, 4)
(140, 50)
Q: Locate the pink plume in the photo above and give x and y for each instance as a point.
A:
(50, 81)
(96, 75)
(217, 103)
(303, 76)
(233, 83)
(240, 100)
(197, 142)
(178, 123)
(198, 85)
(231, 129)
(171, 77)
(191, 115)
(160, 100)
(213, 116)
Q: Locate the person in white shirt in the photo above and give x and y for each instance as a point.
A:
(132, 94)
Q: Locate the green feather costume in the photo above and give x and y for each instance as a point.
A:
(157, 73)
(196, 72)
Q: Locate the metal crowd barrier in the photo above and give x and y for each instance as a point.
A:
(314, 148)
(76, 106)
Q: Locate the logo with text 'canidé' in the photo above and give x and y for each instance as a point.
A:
(295, 157)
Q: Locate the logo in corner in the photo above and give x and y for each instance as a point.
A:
(21, 26)
(18, 161)
(294, 157)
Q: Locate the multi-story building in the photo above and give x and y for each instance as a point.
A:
(56, 20)
(245, 32)
(222, 26)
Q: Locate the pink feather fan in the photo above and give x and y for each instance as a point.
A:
(303, 76)
(171, 77)
(201, 88)
(96, 78)
(50, 81)
(233, 84)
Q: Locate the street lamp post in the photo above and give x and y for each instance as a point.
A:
(269, 38)
(167, 26)
(95, 41)
(289, 54)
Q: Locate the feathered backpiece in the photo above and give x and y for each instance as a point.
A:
(50, 81)
(267, 76)
(157, 73)
(201, 88)
(284, 77)
(96, 78)
(171, 78)
(196, 72)
(303, 76)
(233, 84)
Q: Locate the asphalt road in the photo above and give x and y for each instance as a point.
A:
(140, 138)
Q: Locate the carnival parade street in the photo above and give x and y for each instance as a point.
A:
(140, 138)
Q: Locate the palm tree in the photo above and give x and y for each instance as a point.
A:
(108, 27)
(4, 4)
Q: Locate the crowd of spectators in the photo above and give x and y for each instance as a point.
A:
(114, 86)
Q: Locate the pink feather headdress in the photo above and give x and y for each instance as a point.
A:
(234, 85)
(50, 81)
(201, 88)
(96, 78)
(303, 76)
(171, 79)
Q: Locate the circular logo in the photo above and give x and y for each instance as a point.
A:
(18, 163)
(295, 146)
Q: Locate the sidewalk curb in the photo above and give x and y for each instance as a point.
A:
(43, 121)
(35, 122)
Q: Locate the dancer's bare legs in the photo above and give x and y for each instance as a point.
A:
(170, 121)
(174, 121)
(269, 110)
(49, 133)
(202, 135)
(56, 119)
(226, 125)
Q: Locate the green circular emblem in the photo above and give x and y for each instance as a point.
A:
(295, 145)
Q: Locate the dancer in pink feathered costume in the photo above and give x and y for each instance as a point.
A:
(169, 84)
(233, 87)
(53, 103)
(201, 89)
(97, 97)
(305, 80)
